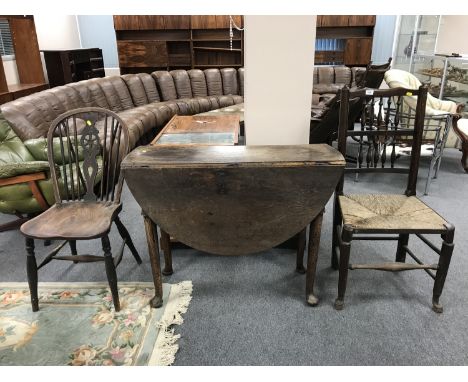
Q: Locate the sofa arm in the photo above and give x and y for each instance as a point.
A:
(9, 170)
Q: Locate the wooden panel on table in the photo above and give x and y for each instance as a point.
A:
(142, 53)
(28, 58)
(361, 20)
(358, 51)
(334, 21)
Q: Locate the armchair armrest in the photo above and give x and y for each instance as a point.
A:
(9, 170)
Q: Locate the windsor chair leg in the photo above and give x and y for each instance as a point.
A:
(74, 252)
(128, 240)
(31, 269)
(110, 271)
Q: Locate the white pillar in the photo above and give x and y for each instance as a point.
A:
(279, 62)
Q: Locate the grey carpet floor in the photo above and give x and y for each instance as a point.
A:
(250, 310)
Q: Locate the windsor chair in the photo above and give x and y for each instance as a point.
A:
(88, 144)
(395, 215)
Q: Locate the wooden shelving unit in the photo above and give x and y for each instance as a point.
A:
(357, 34)
(28, 60)
(148, 43)
(72, 65)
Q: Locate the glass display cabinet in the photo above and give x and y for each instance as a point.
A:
(414, 35)
(447, 76)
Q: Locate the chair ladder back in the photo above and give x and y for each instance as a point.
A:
(381, 125)
(87, 145)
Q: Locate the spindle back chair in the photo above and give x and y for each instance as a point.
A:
(381, 126)
(85, 148)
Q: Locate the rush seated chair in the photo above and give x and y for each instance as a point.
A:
(392, 216)
(87, 194)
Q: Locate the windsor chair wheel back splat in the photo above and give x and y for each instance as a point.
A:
(85, 149)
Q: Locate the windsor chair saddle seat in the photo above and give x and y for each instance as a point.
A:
(74, 220)
(392, 213)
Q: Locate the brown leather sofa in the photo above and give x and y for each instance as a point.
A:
(146, 102)
(328, 80)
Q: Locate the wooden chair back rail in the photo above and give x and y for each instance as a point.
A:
(383, 123)
(103, 136)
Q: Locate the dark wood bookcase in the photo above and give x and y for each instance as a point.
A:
(356, 33)
(28, 60)
(148, 43)
(65, 66)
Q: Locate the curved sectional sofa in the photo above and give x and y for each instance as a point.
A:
(145, 102)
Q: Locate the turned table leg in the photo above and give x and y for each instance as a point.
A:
(153, 249)
(314, 243)
(166, 248)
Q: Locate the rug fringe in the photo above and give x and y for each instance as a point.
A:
(166, 345)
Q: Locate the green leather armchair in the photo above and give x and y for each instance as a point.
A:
(25, 185)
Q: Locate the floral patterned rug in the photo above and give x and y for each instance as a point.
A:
(77, 325)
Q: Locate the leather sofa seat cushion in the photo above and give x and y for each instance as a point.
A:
(18, 197)
(327, 88)
(165, 84)
(214, 82)
(182, 83)
(198, 82)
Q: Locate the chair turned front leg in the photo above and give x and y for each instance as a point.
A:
(31, 269)
(74, 252)
(300, 251)
(345, 248)
(442, 269)
(110, 271)
(128, 240)
(464, 159)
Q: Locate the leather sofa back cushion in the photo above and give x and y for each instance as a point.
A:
(136, 88)
(182, 83)
(150, 87)
(326, 75)
(240, 71)
(38, 148)
(229, 78)
(12, 149)
(198, 82)
(116, 92)
(166, 85)
(343, 75)
(214, 82)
